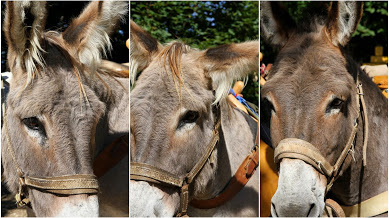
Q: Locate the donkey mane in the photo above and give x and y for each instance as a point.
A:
(171, 55)
(52, 39)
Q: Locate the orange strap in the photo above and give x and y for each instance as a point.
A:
(110, 156)
(237, 182)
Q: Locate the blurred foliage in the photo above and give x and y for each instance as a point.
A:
(201, 24)
(371, 31)
(60, 14)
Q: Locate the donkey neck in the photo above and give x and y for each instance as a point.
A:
(361, 183)
(238, 132)
(114, 93)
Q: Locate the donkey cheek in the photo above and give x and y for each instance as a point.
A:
(276, 133)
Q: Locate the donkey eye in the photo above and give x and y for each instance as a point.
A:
(334, 106)
(35, 129)
(33, 123)
(336, 103)
(189, 117)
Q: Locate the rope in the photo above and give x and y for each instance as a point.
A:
(9, 147)
(243, 101)
(366, 127)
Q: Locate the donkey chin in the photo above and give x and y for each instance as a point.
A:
(161, 203)
(66, 206)
(300, 191)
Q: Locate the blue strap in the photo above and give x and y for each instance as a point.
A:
(242, 101)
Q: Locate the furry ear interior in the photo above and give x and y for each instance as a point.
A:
(143, 48)
(276, 23)
(88, 34)
(23, 27)
(228, 63)
(342, 21)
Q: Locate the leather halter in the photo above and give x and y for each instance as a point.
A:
(303, 150)
(145, 172)
(242, 175)
(66, 184)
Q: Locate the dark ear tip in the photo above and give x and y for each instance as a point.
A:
(276, 23)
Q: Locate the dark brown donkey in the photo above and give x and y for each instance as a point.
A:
(174, 116)
(62, 109)
(313, 104)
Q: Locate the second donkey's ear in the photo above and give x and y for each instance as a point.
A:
(276, 23)
(88, 34)
(143, 49)
(342, 21)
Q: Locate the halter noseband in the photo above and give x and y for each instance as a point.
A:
(66, 184)
(303, 150)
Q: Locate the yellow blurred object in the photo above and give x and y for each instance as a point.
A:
(128, 43)
(263, 81)
(385, 93)
(269, 178)
(235, 103)
(238, 87)
(119, 70)
(381, 81)
(260, 56)
(378, 57)
(378, 51)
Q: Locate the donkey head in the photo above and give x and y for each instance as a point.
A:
(53, 106)
(310, 95)
(173, 111)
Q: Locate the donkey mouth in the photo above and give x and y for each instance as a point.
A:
(82, 205)
(300, 190)
(161, 202)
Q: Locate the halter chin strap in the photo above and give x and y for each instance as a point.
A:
(66, 184)
(303, 150)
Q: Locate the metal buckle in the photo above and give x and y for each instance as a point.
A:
(21, 200)
(184, 200)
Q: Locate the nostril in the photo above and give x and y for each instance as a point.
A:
(310, 211)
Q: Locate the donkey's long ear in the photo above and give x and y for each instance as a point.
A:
(227, 63)
(342, 21)
(88, 34)
(143, 48)
(276, 23)
(23, 28)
